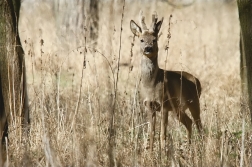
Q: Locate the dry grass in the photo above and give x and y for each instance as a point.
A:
(70, 127)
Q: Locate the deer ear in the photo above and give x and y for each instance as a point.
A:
(158, 25)
(135, 29)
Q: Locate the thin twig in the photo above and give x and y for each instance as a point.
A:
(112, 117)
(244, 109)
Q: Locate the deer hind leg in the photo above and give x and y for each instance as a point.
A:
(185, 120)
(194, 108)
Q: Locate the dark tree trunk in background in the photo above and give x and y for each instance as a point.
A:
(94, 20)
(245, 16)
(13, 93)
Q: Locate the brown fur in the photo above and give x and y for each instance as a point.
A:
(165, 90)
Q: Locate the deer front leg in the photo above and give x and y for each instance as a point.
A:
(164, 122)
(152, 119)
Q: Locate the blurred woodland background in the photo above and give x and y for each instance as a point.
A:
(82, 65)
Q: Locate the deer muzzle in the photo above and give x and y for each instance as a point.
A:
(148, 50)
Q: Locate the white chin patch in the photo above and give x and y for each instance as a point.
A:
(147, 53)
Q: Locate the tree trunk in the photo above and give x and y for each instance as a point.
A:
(94, 16)
(13, 92)
(245, 16)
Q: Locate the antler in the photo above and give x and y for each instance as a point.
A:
(142, 21)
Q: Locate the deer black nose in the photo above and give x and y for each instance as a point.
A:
(148, 49)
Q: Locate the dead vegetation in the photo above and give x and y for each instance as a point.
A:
(71, 85)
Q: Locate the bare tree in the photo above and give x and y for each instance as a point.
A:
(245, 15)
(13, 91)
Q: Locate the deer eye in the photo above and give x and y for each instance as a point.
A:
(141, 40)
(154, 40)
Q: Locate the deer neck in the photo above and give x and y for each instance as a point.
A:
(149, 69)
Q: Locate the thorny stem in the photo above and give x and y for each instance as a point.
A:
(131, 55)
(112, 118)
(81, 84)
(165, 79)
(119, 54)
(168, 42)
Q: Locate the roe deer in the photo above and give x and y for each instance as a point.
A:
(165, 90)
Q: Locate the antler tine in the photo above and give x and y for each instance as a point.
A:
(142, 21)
(154, 21)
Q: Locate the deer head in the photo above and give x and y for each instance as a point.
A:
(148, 37)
